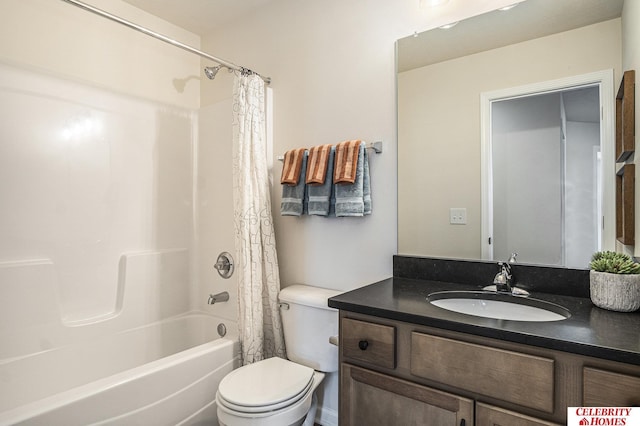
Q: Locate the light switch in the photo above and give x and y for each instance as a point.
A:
(458, 216)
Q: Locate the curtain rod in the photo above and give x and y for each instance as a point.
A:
(161, 37)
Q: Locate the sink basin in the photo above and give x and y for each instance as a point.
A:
(498, 306)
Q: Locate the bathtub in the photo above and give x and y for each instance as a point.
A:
(165, 373)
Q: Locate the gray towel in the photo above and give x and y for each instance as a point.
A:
(366, 185)
(319, 196)
(293, 196)
(355, 199)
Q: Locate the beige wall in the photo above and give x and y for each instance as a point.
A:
(333, 70)
(631, 61)
(57, 37)
(443, 170)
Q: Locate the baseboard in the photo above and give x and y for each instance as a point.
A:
(326, 417)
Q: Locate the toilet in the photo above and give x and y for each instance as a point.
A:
(280, 392)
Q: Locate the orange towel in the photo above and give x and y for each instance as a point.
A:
(317, 164)
(292, 166)
(346, 161)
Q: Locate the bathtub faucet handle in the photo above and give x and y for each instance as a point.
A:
(219, 297)
(224, 265)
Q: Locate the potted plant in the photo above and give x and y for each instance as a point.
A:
(615, 281)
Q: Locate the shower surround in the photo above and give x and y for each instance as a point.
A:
(104, 234)
(88, 179)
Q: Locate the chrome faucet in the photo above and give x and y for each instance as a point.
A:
(504, 281)
(220, 297)
(503, 278)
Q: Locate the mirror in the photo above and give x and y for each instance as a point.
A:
(545, 159)
(442, 78)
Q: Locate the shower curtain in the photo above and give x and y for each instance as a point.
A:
(258, 278)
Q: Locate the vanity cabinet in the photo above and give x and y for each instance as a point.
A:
(394, 372)
(371, 398)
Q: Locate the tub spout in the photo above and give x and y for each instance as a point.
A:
(219, 297)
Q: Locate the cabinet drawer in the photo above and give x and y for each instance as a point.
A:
(607, 389)
(488, 415)
(515, 377)
(368, 342)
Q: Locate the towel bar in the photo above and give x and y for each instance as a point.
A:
(375, 146)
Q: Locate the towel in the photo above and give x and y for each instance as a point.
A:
(317, 164)
(292, 166)
(355, 199)
(319, 196)
(293, 196)
(366, 185)
(346, 161)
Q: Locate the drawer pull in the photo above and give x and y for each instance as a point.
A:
(363, 345)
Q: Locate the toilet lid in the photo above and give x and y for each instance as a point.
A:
(265, 383)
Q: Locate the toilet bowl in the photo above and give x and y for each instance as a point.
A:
(280, 392)
(272, 392)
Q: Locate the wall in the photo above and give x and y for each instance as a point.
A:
(631, 61)
(214, 232)
(587, 49)
(333, 70)
(62, 39)
(526, 164)
(527, 174)
(581, 194)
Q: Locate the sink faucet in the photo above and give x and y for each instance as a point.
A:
(504, 281)
(503, 278)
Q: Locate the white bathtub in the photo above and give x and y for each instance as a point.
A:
(166, 373)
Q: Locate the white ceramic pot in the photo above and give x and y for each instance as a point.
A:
(615, 292)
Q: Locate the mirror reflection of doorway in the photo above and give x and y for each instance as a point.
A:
(545, 172)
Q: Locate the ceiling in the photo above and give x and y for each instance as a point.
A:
(199, 16)
(529, 20)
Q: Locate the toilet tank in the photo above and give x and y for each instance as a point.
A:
(308, 323)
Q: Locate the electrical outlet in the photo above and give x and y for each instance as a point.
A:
(458, 216)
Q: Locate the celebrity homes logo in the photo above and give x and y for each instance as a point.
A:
(603, 416)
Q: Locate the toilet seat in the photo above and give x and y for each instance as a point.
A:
(264, 408)
(265, 386)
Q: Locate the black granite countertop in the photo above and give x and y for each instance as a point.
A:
(590, 330)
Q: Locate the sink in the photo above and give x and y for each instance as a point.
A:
(498, 306)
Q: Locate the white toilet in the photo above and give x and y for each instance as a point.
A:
(279, 392)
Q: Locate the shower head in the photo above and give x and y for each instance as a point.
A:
(211, 72)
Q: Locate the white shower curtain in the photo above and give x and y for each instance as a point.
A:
(258, 278)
